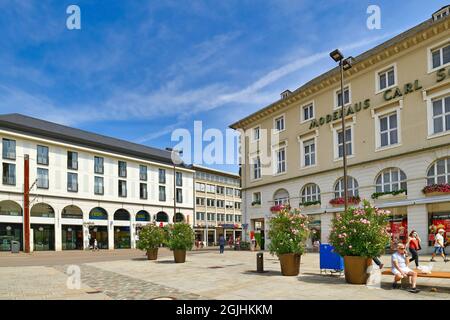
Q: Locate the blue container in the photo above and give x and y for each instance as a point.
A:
(330, 259)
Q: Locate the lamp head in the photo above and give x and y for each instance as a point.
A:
(347, 64)
(336, 55)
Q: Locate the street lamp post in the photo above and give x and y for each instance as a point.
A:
(344, 64)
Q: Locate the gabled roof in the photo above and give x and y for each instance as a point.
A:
(40, 128)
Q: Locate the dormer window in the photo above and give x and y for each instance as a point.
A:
(285, 94)
(441, 13)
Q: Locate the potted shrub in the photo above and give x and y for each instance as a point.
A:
(436, 189)
(151, 237)
(288, 233)
(180, 238)
(359, 234)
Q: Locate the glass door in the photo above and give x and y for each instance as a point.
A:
(10, 232)
(72, 237)
(101, 234)
(122, 238)
(44, 237)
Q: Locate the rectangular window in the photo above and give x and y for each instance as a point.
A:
(72, 182)
(229, 204)
(211, 216)
(281, 160)
(122, 169)
(441, 115)
(238, 218)
(143, 191)
(309, 152)
(200, 215)
(122, 188)
(99, 187)
(229, 192)
(162, 175)
(308, 112)
(200, 187)
(42, 178)
(348, 143)
(210, 188)
(220, 190)
(9, 174)
(279, 123)
(237, 193)
(179, 195)
(256, 132)
(143, 173)
(440, 56)
(386, 78)
(200, 201)
(162, 193)
(237, 205)
(346, 97)
(99, 165)
(9, 149)
(210, 202)
(257, 168)
(388, 130)
(72, 160)
(179, 179)
(256, 198)
(220, 204)
(42, 155)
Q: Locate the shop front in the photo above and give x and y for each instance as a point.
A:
(438, 218)
(100, 233)
(259, 235)
(398, 226)
(313, 242)
(10, 232)
(122, 238)
(43, 237)
(72, 237)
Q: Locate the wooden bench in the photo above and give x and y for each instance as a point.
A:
(433, 274)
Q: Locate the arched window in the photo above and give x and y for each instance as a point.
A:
(142, 216)
(162, 217)
(391, 179)
(72, 212)
(352, 187)
(281, 197)
(10, 208)
(309, 193)
(42, 210)
(98, 214)
(179, 217)
(122, 215)
(439, 172)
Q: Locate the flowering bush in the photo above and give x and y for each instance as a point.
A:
(338, 201)
(279, 207)
(360, 231)
(180, 236)
(288, 232)
(443, 187)
(151, 236)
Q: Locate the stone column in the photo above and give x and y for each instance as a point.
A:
(325, 226)
(85, 236)
(58, 232)
(110, 234)
(418, 220)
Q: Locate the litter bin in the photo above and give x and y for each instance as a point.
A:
(259, 262)
(15, 246)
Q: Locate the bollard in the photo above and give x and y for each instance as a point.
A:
(259, 262)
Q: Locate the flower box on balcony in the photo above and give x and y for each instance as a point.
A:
(437, 190)
(278, 208)
(339, 202)
(394, 195)
(310, 205)
(256, 204)
(436, 193)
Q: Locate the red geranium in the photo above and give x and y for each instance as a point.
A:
(443, 187)
(340, 200)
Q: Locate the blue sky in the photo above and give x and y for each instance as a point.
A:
(139, 69)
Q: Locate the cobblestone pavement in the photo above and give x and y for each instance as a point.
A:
(205, 275)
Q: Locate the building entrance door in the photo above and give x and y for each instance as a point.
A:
(43, 237)
(101, 234)
(72, 237)
(10, 232)
(122, 239)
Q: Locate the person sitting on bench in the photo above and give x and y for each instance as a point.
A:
(401, 270)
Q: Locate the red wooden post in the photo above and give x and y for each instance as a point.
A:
(26, 203)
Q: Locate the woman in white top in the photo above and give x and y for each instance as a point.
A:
(401, 270)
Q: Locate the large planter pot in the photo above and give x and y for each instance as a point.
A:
(355, 269)
(290, 264)
(179, 256)
(152, 254)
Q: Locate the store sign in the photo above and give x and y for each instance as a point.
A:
(396, 92)
(442, 74)
(336, 115)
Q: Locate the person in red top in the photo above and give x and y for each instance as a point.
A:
(413, 245)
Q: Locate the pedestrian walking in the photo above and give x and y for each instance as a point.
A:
(222, 244)
(439, 245)
(230, 242)
(95, 244)
(414, 245)
(237, 244)
(401, 270)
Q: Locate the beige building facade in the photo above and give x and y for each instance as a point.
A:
(217, 205)
(397, 137)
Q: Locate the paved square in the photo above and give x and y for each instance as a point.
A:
(205, 275)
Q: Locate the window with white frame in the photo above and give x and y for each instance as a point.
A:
(441, 114)
(338, 97)
(308, 112)
(352, 187)
(439, 172)
(440, 56)
(310, 193)
(386, 78)
(309, 152)
(200, 187)
(388, 130)
(348, 143)
(279, 123)
(256, 198)
(257, 168)
(280, 160)
(256, 133)
(281, 197)
(391, 179)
